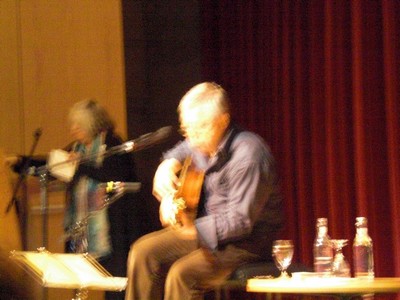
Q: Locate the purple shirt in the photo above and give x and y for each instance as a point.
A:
(242, 202)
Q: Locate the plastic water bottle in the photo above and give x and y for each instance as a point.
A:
(362, 250)
(323, 251)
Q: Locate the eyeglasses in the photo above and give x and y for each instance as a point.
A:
(196, 129)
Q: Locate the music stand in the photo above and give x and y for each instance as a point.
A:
(68, 270)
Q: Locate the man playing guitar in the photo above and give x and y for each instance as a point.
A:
(237, 214)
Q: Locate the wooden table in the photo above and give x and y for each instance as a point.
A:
(343, 288)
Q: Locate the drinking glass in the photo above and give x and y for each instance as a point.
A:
(340, 266)
(282, 252)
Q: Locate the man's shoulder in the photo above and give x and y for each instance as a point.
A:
(249, 139)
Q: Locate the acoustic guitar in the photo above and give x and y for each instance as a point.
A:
(187, 197)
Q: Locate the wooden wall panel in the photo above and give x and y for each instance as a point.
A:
(10, 231)
(71, 50)
(11, 129)
(52, 54)
(162, 46)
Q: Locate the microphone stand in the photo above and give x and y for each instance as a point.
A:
(77, 233)
(21, 178)
(44, 205)
(144, 141)
(44, 209)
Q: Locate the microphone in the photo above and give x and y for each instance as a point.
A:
(112, 187)
(146, 140)
(37, 133)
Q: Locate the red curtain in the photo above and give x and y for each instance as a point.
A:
(319, 80)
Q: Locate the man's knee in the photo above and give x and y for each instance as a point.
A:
(137, 254)
(179, 272)
(142, 245)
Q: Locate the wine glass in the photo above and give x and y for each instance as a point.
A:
(282, 252)
(340, 266)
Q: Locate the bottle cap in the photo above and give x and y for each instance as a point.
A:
(322, 222)
(361, 222)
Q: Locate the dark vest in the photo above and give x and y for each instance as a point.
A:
(223, 156)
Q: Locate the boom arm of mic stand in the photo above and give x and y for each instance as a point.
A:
(143, 142)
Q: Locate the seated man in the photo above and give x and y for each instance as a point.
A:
(238, 214)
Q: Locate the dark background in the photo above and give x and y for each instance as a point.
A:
(318, 80)
(162, 61)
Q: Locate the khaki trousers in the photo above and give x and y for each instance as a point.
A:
(164, 265)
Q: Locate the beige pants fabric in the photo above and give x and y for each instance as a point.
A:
(164, 265)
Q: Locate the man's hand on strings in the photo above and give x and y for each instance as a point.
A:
(165, 182)
(168, 211)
